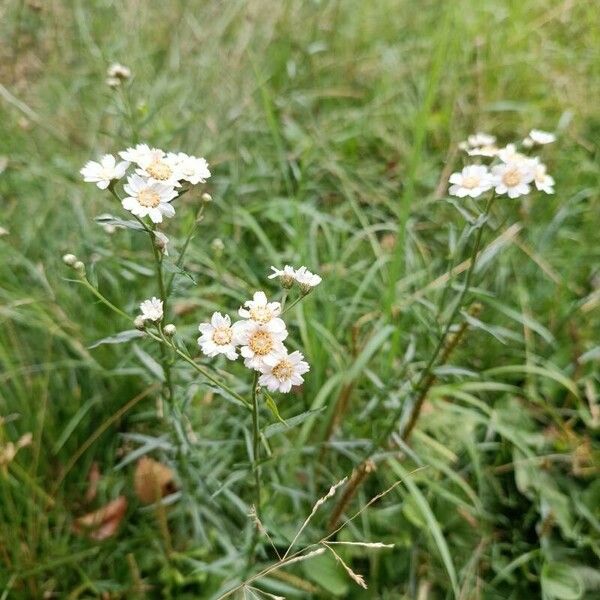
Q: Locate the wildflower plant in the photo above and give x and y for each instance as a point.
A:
(147, 183)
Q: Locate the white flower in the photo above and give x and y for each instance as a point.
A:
(513, 178)
(260, 310)
(152, 310)
(141, 153)
(481, 139)
(306, 279)
(543, 181)
(287, 275)
(118, 71)
(487, 151)
(281, 372)
(219, 336)
(260, 342)
(160, 169)
(537, 136)
(148, 199)
(472, 181)
(103, 172)
(509, 154)
(191, 169)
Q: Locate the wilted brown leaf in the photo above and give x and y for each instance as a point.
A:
(104, 522)
(152, 480)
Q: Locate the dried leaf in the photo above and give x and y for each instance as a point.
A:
(104, 522)
(152, 480)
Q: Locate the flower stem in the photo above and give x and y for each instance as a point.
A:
(256, 444)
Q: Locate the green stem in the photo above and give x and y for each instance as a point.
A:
(256, 444)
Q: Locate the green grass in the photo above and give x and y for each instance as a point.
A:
(330, 128)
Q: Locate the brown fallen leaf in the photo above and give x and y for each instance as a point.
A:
(93, 479)
(152, 480)
(104, 522)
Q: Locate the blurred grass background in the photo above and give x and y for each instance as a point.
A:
(327, 124)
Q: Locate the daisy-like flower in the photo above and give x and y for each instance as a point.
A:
(513, 178)
(543, 181)
(103, 172)
(539, 137)
(261, 342)
(152, 310)
(160, 169)
(119, 71)
(148, 199)
(219, 336)
(481, 139)
(280, 373)
(488, 151)
(287, 275)
(260, 310)
(306, 279)
(142, 153)
(472, 181)
(509, 154)
(191, 169)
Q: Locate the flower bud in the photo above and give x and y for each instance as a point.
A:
(170, 330)
(206, 197)
(79, 267)
(217, 246)
(139, 323)
(69, 260)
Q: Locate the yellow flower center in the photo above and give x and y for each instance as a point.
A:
(148, 198)
(222, 336)
(260, 314)
(261, 342)
(283, 370)
(470, 182)
(511, 177)
(159, 170)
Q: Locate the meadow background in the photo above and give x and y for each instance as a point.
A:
(331, 128)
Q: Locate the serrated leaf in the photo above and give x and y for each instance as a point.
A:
(120, 338)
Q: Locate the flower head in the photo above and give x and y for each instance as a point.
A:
(287, 275)
(145, 198)
(481, 139)
(152, 310)
(281, 372)
(513, 178)
(261, 342)
(260, 310)
(537, 136)
(158, 168)
(509, 154)
(141, 153)
(219, 336)
(543, 181)
(488, 151)
(191, 169)
(103, 172)
(119, 71)
(306, 279)
(472, 181)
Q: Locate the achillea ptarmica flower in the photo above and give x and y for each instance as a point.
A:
(509, 154)
(481, 139)
(118, 71)
(260, 310)
(513, 178)
(103, 172)
(306, 279)
(543, 181)
(219, 337)
(141, 153)
(472, 181)
(152, 310)
(260, 343)
(287, 275)
(281, 372)
(191, 169)
(160, 169)
(487, 151)
(148, 199)
(539, 137)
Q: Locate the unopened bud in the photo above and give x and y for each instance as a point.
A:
(217, 246)
(206, 197)
(79, 267)
(170, 330)
(69, 260)
(139, 323)
(287, 281)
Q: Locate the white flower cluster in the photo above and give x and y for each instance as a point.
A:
(513, 174)
(258, 337)
(155, 182)
(302, 276)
